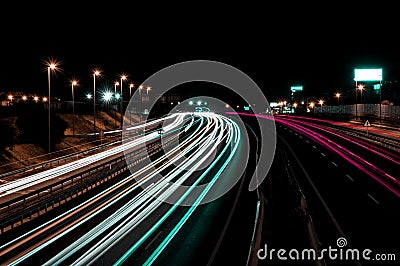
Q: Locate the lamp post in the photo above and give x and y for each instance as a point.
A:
(140, 92)
(115, 86)
(123, 77)
(358, 87)
(73, 83)
(380, 101)
(95, 73)
(130, 89)
(51, 66)
(130, 96)
(337, 95)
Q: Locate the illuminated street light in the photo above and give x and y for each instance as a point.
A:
(36, 99)
(295, 105)
(107, 96)
(89, 96)
(44, 99)
(123, 77)
(10, 97)
(130, 89)
(95, 73)
(360, 88)
(24, 98)
(321, 102)
(337, 95)
(73, 83)
(52, 65)
(115, 86)
(312, 104)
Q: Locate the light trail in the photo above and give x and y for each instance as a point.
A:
(199, 142)
(379, 175)
(29, 181)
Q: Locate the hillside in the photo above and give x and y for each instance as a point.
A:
(24, 154)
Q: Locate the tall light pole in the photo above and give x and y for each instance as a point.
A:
(115, 86)
(140, 92)
(130, 89)
(380, 101)
(123, 77)
(73, 83)
(95, 73)
(130, 96)
(51, 66)
(356, 99)
(337, 95)
(358, 87)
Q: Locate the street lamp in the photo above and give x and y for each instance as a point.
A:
(95, 73)
(130, 89)
(115, 86)
(123, 77)
(51, 66)
(321, 102)
(359, 87)
(337, 95)
(73, 83)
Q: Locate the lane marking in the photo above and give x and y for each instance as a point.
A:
(151, 242)
(323, 154)
(307, 141)
(334, 164)
(349, 177)
(369, 195)
(314, 147)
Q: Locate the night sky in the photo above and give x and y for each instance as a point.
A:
(314, 46)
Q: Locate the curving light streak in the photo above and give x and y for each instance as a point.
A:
(377, 174)
(29, 181)
(211, 132)
(394, 158)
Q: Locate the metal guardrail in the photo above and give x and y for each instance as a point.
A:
(57, 160)
(60, 192)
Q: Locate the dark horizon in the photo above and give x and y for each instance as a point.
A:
(276, 54)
